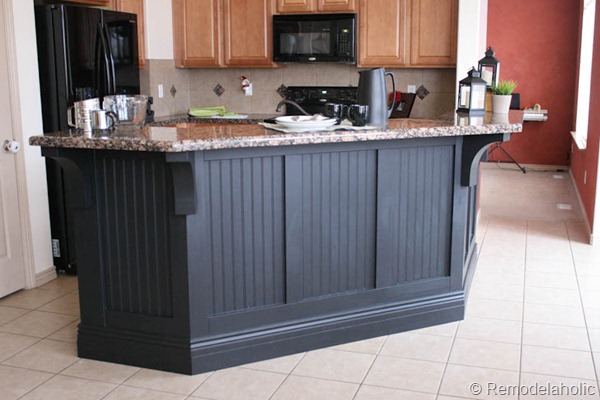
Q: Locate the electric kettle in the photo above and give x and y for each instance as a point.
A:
(372, 92)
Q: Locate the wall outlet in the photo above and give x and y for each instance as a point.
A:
(411, 89)
(161, 91)
(248, 90)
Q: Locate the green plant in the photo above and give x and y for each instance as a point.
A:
(504, 87)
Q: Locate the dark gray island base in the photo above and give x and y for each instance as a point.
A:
(193, 260)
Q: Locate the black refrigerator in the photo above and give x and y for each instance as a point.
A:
(83, 52)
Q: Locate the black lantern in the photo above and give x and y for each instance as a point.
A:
(471, 94)
(489, 67)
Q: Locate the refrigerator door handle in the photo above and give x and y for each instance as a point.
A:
(111, 61)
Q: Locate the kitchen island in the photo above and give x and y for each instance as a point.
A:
(206, 245)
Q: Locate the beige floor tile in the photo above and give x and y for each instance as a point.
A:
(69, 388)
(448, 329)
(562, 337)
(66, 334)
(406, 374)
(419, 347)
(550, 296)
(462, 381)
(166, 381)
(495, 309)
(491, 291)
(38, 324)
(8, 314)
(557, 336)
(64, 284)
(550, 280)
(240, 384)
(592, 316)
(490, 329)
(557, 362)
(46, 355)
(590, 298)
(15, 382)
(283, 365)
(303, 388)
(12, 344)
(479, 353)
(30, 299)
(550, 265)
(508, 277)
(379, 393)
(554, 315)
(132, 393)
(335, 365)
(368, 346)
(564, 388)
(100, 371)
(594, 339)
(67, 304)
(502, 264)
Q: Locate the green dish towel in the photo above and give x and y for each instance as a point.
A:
(206, 112)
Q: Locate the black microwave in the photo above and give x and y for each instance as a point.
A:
(314, 38)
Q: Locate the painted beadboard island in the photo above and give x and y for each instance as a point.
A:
(207, 245)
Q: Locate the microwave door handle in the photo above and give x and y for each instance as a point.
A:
(99, 82)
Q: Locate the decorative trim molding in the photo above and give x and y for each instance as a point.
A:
(588, 227)
(17, 128)
(45, 276)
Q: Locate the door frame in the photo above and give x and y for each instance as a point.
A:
(17, 130)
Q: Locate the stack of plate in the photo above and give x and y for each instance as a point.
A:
(306, 122)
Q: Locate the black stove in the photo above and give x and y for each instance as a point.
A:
(313, 98)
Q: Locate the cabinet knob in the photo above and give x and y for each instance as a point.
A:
(11, 146)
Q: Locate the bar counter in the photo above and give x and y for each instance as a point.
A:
(204, 245)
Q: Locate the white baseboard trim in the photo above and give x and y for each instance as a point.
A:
(45, 276)
(588, 227)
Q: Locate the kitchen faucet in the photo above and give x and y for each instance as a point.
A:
(284, 101)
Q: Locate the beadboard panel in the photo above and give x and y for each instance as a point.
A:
(331, 226)
(415, 191)
(133, 196)
(246, 223)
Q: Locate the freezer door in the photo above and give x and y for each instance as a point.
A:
(121, 34)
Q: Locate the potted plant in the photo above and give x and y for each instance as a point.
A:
(502, 96)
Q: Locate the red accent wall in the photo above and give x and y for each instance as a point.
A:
(587, 160)
(536, 42)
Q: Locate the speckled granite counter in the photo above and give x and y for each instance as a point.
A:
(177, 136)
(219, 244)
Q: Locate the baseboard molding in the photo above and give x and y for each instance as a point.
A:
(588, 227)
(45, 276)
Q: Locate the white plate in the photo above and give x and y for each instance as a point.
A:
(305, 122)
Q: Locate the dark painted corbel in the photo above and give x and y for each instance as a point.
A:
(184, 185)
(472, 149)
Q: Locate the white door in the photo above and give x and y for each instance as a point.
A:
(12, 269)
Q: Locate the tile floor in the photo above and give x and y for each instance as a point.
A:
(533, 317)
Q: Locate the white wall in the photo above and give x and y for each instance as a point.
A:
(472, 36)
(159, 29)
(29, 109)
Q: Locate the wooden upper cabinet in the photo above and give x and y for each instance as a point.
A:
(310, 6)
(383, 33)
(434, 26)
(248, 32)
(219, 33)
(196, 33)
(336, 5)
(135, 7)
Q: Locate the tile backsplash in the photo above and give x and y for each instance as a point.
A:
(194, 87)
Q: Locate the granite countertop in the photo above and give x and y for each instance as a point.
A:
(187, 134)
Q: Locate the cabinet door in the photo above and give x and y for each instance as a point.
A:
(382, 33)
(136, 7)
(196, 33)
(434, 32)
(247, 32)
(295, 6)
(336, 5)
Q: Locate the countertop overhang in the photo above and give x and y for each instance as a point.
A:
(197, 135)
